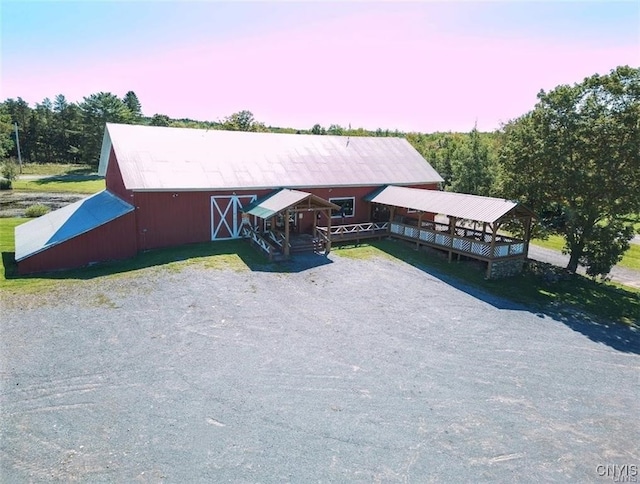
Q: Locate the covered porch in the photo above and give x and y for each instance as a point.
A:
(465, 225)
(286, 222)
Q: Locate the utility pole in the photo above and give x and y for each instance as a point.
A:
(18, 147)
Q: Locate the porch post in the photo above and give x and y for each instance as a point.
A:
(391, 214)
(328, 249)
(419, 229)
(452, 233)
(527, 236)
(286, 233)
(315, 221)
(494, 231)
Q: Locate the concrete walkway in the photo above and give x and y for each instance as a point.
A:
(622, 275)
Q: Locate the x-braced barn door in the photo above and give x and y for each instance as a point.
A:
(226, 215)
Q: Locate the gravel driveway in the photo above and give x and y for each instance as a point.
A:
(351, 371)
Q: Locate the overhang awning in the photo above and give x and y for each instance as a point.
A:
(458, 205)
(283, 199)
(67, 222)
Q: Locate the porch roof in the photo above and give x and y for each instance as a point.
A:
(283, 199)
(458, 205)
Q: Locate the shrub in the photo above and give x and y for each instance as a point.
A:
(8, 169)
(5, 184)
(36, 210)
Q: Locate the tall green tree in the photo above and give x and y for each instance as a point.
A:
(21, 113)
(68, 130)
(160, 120)
(97, 110)
(42, 131)
(242, 121)
(440, 150)
(471, 167)
(131, 101)
(6, 131)
(575, 159)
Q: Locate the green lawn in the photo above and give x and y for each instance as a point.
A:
(234, 255)
(630, 259)
(52, 169)
(62, 184)
(635, 218)
(59, 178)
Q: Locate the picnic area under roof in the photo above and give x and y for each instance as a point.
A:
(458, 205)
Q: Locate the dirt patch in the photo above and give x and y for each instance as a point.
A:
(14, 204)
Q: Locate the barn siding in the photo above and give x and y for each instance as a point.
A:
(166, 219)
(111, 241)
(113, 179)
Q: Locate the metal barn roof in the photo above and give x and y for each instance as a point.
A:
(155, 158)
(68, 222)
(281, 200)
(459, 205)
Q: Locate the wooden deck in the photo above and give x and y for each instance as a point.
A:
(463, 240)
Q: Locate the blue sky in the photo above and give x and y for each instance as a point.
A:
(422, 66)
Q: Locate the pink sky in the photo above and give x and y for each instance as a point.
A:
(381, 69)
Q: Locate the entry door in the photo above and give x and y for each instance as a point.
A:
(226, 215)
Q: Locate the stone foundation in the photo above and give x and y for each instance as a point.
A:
(506, 268)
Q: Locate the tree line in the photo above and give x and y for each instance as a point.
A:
(574, 159)
(60, 131)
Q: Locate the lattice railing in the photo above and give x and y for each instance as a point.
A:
(465, 240)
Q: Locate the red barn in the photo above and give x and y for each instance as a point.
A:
(173, 186)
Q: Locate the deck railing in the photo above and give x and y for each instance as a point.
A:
(258, 240)
(463, 240)
(278, 238)
(353, 231)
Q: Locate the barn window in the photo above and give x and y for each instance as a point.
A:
(347, 207)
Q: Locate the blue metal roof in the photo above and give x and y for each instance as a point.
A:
(68, 222)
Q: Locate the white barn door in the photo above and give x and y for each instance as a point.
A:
(226, 215)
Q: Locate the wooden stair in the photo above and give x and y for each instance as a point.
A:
(303, 243)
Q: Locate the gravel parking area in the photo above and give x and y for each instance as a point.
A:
(350, 371)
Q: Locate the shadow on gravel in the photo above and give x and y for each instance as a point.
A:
(528, 293)
(537, 295)
(297, 263)
(617, 336)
